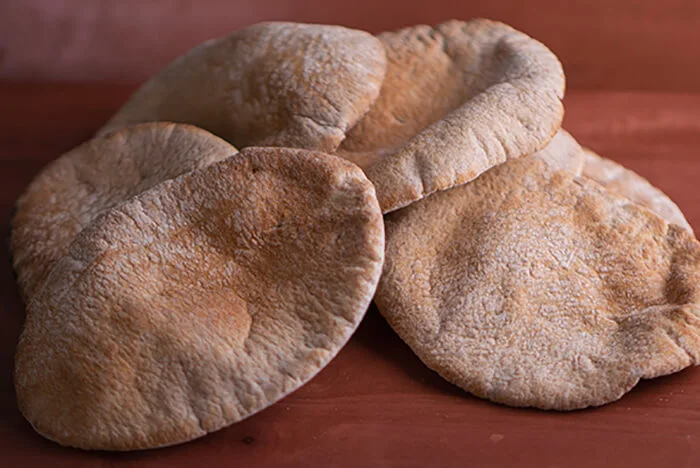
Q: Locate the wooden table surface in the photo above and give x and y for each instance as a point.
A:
(376, 404)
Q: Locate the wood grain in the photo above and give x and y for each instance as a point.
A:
(632, 44)
(376, 404)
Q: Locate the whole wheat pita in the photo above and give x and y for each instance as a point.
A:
(74, 189)
(457, 100)
(200, 301)
(531, 287)
(271, 84)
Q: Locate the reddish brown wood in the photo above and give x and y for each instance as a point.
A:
(376, 404)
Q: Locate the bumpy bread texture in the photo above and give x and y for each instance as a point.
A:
(457, 100)
(184, 309)
(94, 177)
(622, 181)
(531, 287)
(271, 84)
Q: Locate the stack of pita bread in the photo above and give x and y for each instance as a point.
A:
(176, 285)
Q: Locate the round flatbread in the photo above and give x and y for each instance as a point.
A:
(457, 100)
(201, 301)
(531, 287)
(92, 178)
(271, 84)
(622, 181)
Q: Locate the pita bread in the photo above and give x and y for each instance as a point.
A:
(201, 301)
(622, 181)
(531, 287)
(457, 100)
(92, 178)
(563, 153)
(272, 84)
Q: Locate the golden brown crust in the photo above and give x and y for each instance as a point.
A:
(627, 183)
(201, 301)
(92, 178)
(457, 100)
(271, 84)
(531, 287)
